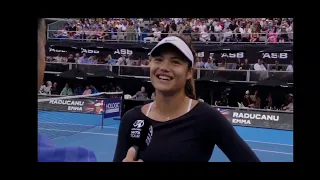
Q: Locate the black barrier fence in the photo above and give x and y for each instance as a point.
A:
(140, 71)
(78, 105)
(255, 118)
(138, 50)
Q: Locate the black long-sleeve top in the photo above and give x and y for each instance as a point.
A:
(189, 138)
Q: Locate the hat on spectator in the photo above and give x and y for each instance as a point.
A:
(178, 43)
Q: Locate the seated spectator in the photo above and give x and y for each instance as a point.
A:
(93, 89)
(66, 91)
(290, 67)
(204, 35)
(273, 35)
(71, 59)
(46, 89)
(87, 91)
(276, 67)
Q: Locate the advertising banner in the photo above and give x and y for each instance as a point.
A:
(116, 50)
(91, 106)
(112, 107)
(263, 119)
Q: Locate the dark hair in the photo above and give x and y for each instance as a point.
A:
(189, 88)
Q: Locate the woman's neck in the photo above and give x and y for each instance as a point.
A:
(170, 104)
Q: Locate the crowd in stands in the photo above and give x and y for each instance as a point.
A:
(254, 101)
(210, 63)
(49, 88)
(271, 30)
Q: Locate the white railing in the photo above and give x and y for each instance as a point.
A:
(253, 109)
(144, 37)
(232, 75)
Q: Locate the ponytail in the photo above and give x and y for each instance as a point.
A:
(190, 89)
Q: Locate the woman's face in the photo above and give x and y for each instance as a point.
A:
(169, 71)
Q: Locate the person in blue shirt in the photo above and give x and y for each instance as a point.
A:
(47, 151)
(93, 89)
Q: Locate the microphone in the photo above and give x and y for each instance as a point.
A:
(141, 133)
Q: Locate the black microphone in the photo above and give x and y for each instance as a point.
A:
(141, 133)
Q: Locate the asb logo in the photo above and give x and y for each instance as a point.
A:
(138, 124)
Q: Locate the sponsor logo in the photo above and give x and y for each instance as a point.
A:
(83, 50)
(123, 52)
(148, 140)
(135, 132)
(113, 107)
(275, 55)
(233, 55)
(138, 123)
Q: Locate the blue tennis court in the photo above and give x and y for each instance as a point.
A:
(75, 129)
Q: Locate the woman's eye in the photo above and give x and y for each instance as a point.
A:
(175, 62)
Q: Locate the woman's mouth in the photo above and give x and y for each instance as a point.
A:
(164, 77)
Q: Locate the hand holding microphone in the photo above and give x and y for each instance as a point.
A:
(141, 133)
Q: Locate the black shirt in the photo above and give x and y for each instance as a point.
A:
(189, 138)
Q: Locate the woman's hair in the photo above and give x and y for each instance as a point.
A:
(189, 88)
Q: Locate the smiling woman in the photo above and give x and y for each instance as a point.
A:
(184, 130)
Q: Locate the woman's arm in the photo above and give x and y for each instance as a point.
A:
(122, 142)
(228, 140)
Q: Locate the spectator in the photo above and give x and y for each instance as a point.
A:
(54, 89)
(246, 65)
(273, 35)
(141, 94)
(290, 67)
(211, 64)
(277, 67)
(289, 106)
(93, 89)
(46, 89)
(204, 35)
(247, 101)
(71, 59)
(83, 59)
(87, 91)
(227, 35)
(66, 91)
(130, 32)
(259, 66)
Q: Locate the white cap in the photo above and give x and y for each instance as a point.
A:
(178, 43)
(247, 92)
(98, 104)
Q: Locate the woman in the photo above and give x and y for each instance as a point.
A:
(184, 130)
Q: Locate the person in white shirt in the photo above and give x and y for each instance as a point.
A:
(260, 70)
(290, 67)
(217, 30)
(204, 35)
(259, 66)
(202, 27)
(227, 36)
(120, 61)
(156, 34)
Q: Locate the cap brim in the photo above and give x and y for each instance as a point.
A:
(179, 44)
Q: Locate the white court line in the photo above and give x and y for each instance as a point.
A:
(111, 127)
(80, 132)
(71, 124)
(272, 151)
(269, 143)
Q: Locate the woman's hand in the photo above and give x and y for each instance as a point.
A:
(130, 156)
